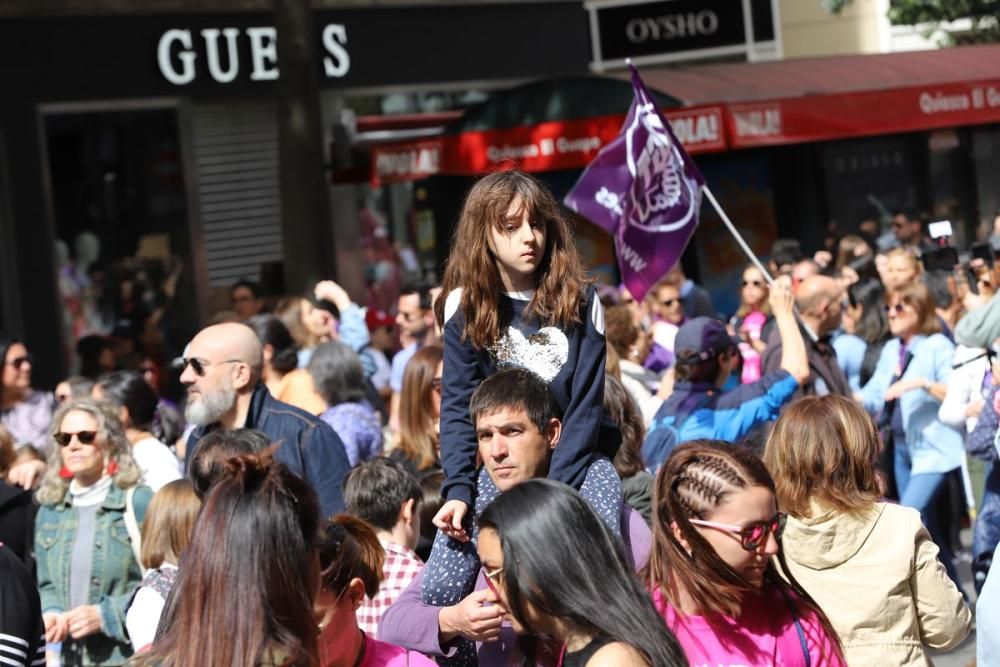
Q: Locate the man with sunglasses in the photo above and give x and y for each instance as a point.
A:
(706, 357)
(819, 300)
(222, 370)
(518, 425)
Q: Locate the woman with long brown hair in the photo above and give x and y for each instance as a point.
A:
(871, 565)
(716, 531)
(416, 446)
(244, 594)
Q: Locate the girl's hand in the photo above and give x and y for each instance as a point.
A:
(55, 627)
(83, 621)
(449, 520)
(899, 388)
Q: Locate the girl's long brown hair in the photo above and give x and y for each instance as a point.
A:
(245, 586)
(696, 478)
(417, 439)
(471, 267)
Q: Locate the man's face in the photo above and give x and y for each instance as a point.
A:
(512, 448)
(412, 319)
(906, 230)
(212, 393)
(244, 303)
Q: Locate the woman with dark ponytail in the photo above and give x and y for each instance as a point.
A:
(557, 572)
(139, 409)
(244, 592)
(351, 560)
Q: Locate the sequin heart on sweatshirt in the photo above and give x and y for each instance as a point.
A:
(543, 353)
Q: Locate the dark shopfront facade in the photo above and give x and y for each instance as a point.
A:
(157, 134)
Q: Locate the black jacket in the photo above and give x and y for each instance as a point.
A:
(17, 522)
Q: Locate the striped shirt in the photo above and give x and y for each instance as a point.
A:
(22, 632)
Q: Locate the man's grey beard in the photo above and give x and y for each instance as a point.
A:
(210, 408)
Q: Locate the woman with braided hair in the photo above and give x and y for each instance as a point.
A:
(716, 527)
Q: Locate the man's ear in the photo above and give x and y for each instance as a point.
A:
(406, 511)
(553, 431)
(244, 376)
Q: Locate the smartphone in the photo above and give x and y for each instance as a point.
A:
(939, 229)
(940, 259)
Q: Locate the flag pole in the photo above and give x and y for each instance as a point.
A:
(750, 253)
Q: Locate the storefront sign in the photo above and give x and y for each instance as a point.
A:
(178, 51)
(536, 148)
(651, 31)
(826, 117)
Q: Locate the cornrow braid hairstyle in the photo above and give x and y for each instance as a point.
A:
(696, 478)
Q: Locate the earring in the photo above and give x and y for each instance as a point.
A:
(112, 468)
(65, 473)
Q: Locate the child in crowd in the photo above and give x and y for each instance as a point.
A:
(166, 531)
(517, 297)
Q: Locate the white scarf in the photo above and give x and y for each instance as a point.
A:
(88, 496)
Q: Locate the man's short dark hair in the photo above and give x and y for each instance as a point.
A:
(786, 251)
(375, 489)
(248, 284)
(515, 389)
(215, 448)
(422, 290)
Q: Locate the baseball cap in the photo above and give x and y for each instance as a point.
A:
(707, 336)
(375, 318)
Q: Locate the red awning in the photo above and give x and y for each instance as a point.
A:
(741, 105)
(816, 99)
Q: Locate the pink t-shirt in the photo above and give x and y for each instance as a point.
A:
(765, 635)
(753, 326)
(383, 654)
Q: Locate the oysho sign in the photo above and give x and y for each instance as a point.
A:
(679, 30)
(224, 51)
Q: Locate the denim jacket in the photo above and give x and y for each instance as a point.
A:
(934, 446)
(114, 572)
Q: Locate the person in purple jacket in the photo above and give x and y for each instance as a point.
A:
(514, 449)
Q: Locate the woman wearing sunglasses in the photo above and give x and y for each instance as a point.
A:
(24, 412)
(351, 561)
(906, 390)
(91, 507)
(563, 583)
(871, 565)
(749, 321)
(716, 531)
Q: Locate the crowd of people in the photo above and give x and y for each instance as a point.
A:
(520, 466)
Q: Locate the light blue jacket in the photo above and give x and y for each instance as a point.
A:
(934, 447)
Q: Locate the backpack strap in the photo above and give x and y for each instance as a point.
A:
(132, 526)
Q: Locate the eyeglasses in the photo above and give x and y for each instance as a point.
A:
(897, 308)
(493, 580)
(753, 283)
(436, 385)
(20, 361)
(85, 437)
(198, 365)
(753, 534)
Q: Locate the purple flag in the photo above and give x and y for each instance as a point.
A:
(644, 189)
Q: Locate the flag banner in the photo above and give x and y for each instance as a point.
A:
(644, 190)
